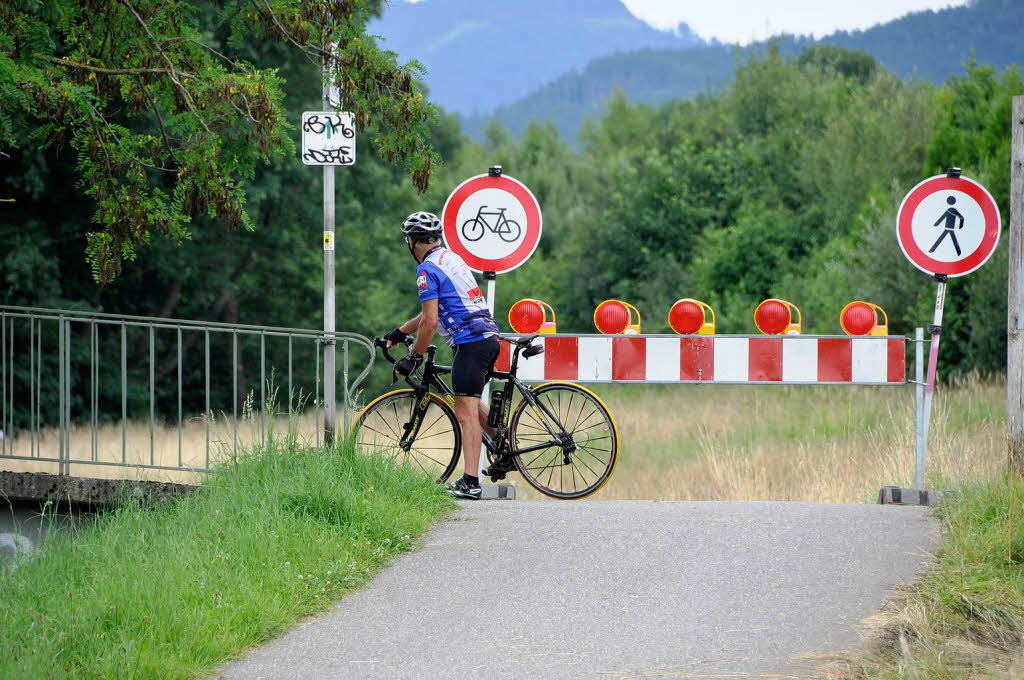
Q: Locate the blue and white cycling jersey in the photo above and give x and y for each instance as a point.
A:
(461, 307)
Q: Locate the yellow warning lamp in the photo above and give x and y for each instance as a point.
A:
(864, 318)
(777, 317)
(531, 316)
(689, 316)
(615, 317)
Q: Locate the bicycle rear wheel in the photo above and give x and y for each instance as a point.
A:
(553, 470)
(436, 446)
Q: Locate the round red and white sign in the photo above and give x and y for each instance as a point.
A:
(492, 222)
(948, 225)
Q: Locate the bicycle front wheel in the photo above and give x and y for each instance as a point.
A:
(555, 470)
(435, 442)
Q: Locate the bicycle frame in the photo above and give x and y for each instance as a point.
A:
(432, 378)
(499, 213)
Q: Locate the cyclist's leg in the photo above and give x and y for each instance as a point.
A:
(470, 366)
(466, 412)
(482, 411)
(485, 408)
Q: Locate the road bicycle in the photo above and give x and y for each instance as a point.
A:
(508, 230)
(559, 436)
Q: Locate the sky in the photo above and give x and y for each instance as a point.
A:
(744, 21)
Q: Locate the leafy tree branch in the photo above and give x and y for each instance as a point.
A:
(167, 124)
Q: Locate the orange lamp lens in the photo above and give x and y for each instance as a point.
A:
(526, 316)
(686, 317)
(611, 317)
(858, 319)
(772, 317)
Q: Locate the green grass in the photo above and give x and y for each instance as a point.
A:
(178, 589)
(965, 617)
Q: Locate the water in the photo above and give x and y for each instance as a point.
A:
(22, 529)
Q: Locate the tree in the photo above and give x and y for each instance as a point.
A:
(164, 126)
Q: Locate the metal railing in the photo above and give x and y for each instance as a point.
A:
(40, 415)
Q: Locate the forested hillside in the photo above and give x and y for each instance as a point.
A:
(924, 45)
(480, 55)
(785, 183)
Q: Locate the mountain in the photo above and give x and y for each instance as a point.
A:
(506, 49)
(929, 45)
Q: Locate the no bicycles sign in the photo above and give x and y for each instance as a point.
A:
(493, 222)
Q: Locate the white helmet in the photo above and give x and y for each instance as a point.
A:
(422, 226)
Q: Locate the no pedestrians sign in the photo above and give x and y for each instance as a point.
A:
(948, 225)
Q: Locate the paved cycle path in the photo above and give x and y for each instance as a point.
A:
(613, 589)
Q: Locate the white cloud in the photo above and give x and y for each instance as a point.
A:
(743, 21)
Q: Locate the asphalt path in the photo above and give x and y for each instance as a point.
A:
(614, 589)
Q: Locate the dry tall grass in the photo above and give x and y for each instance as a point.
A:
(709, 442)
(819, 444)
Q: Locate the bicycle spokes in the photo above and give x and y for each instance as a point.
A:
(580, 458)
(405, 429)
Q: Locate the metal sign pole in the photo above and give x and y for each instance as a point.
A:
(330, 404)
(919, 407)
(492, 280)
(933, 355)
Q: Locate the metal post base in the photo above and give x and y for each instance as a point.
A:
(497, 492)
(894, 495)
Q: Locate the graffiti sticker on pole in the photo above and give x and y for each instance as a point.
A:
(948, 225)
(493, 222)
(328, 138)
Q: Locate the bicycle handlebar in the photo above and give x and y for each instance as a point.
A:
(386, 351)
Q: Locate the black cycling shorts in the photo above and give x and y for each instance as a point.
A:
(472, 362)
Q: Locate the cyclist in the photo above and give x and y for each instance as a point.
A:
(451, 303)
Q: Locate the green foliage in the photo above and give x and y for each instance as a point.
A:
(179, 589)
(858, 65)
(169, 118)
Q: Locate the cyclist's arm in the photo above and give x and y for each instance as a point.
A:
(427, 326)
(410, 326)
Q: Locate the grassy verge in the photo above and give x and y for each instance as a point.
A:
(964, 618)
(177, 590)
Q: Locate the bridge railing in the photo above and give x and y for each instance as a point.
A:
(77, 386)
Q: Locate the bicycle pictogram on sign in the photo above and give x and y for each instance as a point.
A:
(493, 222)
(508, 230)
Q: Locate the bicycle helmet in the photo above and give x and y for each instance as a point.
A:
(422, 226)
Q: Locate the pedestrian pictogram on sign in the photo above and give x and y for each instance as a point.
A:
(948, 225)
(493, 222)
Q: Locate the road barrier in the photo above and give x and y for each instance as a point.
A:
(721, 359)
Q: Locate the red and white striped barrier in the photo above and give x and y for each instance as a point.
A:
(725, 359)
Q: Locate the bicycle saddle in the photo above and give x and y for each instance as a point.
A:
(524, 341)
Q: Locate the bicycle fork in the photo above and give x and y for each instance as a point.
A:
(412, 428)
